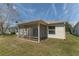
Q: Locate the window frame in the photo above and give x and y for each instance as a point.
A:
(51, 29)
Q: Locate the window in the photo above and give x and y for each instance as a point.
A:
(51, 29)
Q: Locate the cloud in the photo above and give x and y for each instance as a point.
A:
(54, 8)
(66, 11)
(64, 6)
(30, 10)
(14, 7)
(47, 12)
(22, 10)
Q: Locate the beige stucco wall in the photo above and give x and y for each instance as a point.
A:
(59, 32)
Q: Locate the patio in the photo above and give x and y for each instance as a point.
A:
(35, 31)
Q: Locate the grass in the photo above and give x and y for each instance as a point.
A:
(11, 46)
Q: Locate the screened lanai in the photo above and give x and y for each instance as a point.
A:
(35, 30)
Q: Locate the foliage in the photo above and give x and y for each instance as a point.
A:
(69, 28)
(8, 15)
(2, 21)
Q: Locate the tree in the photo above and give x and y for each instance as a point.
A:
(68, 28)
(2, 21)
(8, 14)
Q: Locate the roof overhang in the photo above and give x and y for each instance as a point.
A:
(31, 23)
(56, 22)
(36, 22)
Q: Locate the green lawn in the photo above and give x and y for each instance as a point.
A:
(10, 45)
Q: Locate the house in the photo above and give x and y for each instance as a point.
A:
(76, 29)
(38, 30)
(12, 30)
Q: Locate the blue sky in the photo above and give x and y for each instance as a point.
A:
(48, 11)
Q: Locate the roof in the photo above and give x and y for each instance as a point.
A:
(33, 22)
(54, 22)
(41, 21)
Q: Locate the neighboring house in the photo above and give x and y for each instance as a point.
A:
(76, 29)
(40, 29)
(12, 30)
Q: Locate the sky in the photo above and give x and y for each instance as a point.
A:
(46, 11)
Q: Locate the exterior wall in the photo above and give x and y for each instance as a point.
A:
(59, 31)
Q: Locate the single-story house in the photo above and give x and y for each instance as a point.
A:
(76, 29)
(39, 29)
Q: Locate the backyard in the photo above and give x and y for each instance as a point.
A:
(12, 46)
